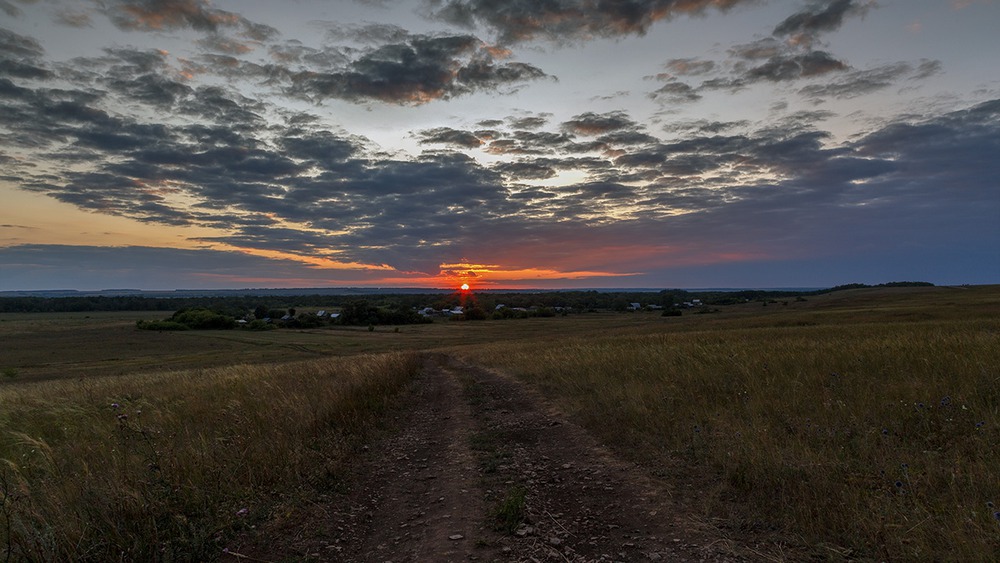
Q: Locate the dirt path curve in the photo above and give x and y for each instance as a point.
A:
(470, 442)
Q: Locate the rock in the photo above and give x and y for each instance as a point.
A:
(454, 537)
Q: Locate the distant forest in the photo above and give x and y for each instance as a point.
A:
(576, 300)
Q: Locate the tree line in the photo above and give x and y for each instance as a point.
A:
(488, 300)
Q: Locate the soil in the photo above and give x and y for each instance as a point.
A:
(471, 442)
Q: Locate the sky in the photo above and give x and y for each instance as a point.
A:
(162, 144)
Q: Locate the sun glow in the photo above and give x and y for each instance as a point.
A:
(465, 287)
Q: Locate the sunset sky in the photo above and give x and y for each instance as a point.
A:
(162, 144)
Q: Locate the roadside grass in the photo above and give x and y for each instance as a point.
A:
(509, 512)
(169, 466)
(847, 436)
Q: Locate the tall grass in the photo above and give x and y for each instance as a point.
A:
(868, 440)
(166, 467)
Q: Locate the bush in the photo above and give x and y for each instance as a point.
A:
(203, 319)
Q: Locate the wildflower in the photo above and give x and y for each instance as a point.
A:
(242, 512)
(945, 401)
(989, 504)
(885, 431)
(980, 424)
(114, 405)
(697, 428)
(899, 484)
(920, 405)
(123, 417)
(997, 514)
(904, 466)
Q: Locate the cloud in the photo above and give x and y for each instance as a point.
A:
(127, 134)
(73, 18)
(675, 92)
(530, 121)
(21, 56)
(449, 136)
(567, 20)
(422, 69)
(160, 15)
(860, 82)
(791, 67)
(803, 27)
(689, 66)
(171, 15)
(10, 9)
(591, 123)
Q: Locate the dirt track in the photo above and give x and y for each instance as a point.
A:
(470, 439)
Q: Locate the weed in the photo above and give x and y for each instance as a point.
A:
(510, 512)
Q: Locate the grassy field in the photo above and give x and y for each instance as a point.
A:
(168, 466)
(40, 346)
(861, 424)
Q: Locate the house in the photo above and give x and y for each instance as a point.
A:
(321, 313)
(635, 306)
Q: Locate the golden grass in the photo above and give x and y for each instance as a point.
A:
(168, 466)
(865, 436)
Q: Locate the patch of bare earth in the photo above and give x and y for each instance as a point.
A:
(449, 485)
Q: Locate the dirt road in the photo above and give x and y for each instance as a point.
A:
(482, 469)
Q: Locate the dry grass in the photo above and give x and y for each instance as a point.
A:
(862, 424)
(168, 466)
(844, 430)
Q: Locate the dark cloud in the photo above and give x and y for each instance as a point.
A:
(21, 57)
(860, 82)
(529, 122)
(526, 170)
(705, 126)
(675, 92)
(792, 67)
(449, 136)
(591, 123)
(820, 17)
(73, 18)
(159, 15)
(418, 71)
(568, 20)
(166, 15)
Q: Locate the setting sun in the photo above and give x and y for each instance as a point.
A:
(465, 287)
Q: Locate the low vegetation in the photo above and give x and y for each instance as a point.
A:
(860, 424)
(169, 466)
(870, 434)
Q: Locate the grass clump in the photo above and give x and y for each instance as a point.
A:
(510, 511)
(169, 466)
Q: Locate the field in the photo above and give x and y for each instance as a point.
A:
(857, 425)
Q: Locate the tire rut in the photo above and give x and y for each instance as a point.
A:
(469, 441)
